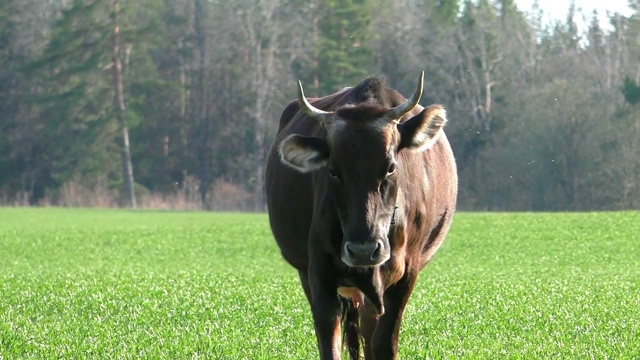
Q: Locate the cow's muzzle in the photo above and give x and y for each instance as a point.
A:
(370, 253)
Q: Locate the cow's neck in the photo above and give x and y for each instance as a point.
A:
(369, 282)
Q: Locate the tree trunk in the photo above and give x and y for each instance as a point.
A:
(125, 152)
(259, 124)
(202, 140)
(258, 161)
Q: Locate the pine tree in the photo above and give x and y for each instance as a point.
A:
(81, 95)
(72, 95)
(342, 54)
(631, 91)
(6, 71)
(446, 11)
(22, 155)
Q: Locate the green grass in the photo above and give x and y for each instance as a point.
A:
(128, 285)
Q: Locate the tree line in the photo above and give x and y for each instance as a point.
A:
(159, 103)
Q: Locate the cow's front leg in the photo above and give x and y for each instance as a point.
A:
(327, 318)
(384, 344)
(368, 323)
(327, 311)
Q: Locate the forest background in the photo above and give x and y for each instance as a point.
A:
(174, 103)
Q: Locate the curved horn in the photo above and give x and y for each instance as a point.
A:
(408, 105)
(311, 111)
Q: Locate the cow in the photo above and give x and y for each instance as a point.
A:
(361, 189)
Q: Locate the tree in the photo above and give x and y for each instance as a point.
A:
(7, 109)
(541, 116)
(342, 54)
(79, 99)
(263, 43)
(23, 25)
(120, 109)
(5, 58)
(69, 92)
(630, 91)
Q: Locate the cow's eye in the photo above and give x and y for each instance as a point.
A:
(391, 169)
(333, 175)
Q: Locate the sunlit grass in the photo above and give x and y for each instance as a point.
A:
(129, 285)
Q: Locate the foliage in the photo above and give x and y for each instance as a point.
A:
(342, 53)
(72, 94)
(205, 83)
(631, 91)
(123, 284)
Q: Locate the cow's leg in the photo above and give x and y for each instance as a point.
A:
(385, 337)
(368, 322)
(327, 347)
(304, 280)
(327, 312)
(327, 317)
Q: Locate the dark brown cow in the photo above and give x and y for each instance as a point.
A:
(361, 189)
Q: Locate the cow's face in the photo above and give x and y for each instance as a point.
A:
(359, 158)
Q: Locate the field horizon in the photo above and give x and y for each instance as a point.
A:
(125, 284)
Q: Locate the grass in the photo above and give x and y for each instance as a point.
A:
(127, 285)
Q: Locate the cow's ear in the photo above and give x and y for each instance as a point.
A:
(421, 131)
(304, 153)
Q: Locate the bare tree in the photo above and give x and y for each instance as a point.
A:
(264, 28)
(479, 54)
(202, 133)
(119, 102)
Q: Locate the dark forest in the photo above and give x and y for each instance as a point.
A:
(174, 103)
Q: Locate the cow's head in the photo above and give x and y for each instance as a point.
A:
(359, 157)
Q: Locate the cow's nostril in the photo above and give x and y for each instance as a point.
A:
(376, 252)
(364, 254)
(349, 250)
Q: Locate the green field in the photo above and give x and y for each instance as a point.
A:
(127, 285)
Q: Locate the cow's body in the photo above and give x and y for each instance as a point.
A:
(359, 203)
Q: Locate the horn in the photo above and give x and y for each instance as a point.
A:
(311, 111)
(407, 106)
